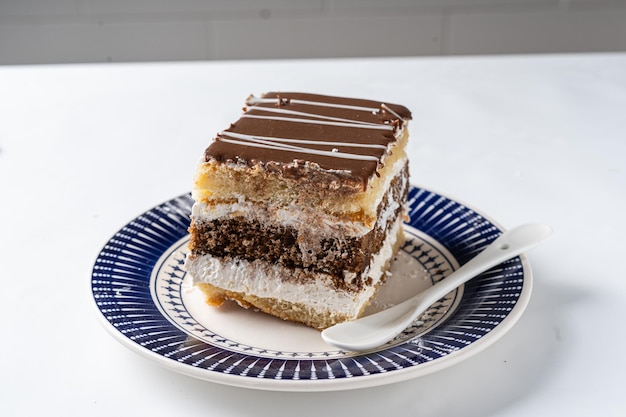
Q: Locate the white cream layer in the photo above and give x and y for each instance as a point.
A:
(266, 281)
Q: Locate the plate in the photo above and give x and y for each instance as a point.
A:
(146, 300)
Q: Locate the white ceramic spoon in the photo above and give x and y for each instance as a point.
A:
(377, 329)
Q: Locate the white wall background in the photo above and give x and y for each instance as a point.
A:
(85, 31)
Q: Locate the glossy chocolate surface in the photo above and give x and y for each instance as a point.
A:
(294, 129)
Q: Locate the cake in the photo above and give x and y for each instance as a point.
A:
(298, 206)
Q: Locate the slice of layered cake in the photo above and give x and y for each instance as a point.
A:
(299, 206)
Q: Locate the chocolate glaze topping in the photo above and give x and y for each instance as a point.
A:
(296, 129)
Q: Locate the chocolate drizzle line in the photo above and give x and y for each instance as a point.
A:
(334, 133)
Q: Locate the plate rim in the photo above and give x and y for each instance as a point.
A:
(338, 384)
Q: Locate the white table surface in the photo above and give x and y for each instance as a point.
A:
(84, 149)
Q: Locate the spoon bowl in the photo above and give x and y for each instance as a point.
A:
(377, 329)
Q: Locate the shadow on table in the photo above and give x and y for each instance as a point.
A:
(505, 373)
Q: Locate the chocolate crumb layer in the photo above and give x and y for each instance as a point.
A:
(238, 238)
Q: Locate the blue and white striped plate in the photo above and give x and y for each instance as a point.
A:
(146, 300)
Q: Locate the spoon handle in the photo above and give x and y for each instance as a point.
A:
(508, 245)
(377, 329)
